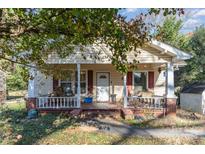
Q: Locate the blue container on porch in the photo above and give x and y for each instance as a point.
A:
(88, 100)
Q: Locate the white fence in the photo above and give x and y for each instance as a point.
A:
(57, 102)
(146, 102)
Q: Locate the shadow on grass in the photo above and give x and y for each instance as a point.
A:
(178, 121)
(14, 97)
(15, 128)
(133, 135)
(13, 123)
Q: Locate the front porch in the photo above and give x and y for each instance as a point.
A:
(138, 106)
(109, 89)
(134, 102)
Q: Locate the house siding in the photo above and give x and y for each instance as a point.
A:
(148, 55)
(160, 83)
(191, 102)
(43, 84)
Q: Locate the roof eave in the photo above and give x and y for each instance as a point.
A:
(176, 53)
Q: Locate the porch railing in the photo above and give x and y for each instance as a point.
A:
(146, 102)
(56, 102)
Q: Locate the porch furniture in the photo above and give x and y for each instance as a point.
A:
(113, 98)
(88, 100)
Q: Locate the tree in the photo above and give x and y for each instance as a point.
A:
(29, 35)
(15, 80)
(195, 69)
(169, 33)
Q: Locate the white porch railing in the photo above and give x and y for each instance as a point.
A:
(57, 102)
(146, 102)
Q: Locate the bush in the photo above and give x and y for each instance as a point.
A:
(15, 79)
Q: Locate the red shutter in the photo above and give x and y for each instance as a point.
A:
(55, 83)
(129, 83)
(90, 81)
(150, 80)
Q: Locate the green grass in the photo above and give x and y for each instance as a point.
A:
(96, 138)
(13, 123)
(15, 128)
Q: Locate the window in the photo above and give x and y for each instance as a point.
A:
(66, 82)
(140, 82)
(82, 82)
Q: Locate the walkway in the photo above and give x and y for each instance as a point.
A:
(121, 129)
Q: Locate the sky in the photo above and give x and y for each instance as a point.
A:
(191, 19)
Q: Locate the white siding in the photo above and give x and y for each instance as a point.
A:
(44, 84)
(191, 102)
(104, 55)
(203, 102)
(160, 83)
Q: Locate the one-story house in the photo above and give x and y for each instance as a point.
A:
(149, 84)
(2, 86)
(192, 98)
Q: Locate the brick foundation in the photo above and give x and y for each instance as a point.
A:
(132, 113)
(171, 106)
(31, 103)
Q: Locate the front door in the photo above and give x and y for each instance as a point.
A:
(103, 89)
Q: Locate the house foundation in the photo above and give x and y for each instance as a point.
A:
(171, 106)
(31, 103)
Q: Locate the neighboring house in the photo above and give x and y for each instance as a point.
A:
(2, 86)
(192, 98)
(148, 85)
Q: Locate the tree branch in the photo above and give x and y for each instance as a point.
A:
(13, 61)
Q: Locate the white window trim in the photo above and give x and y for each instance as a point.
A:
(73, 81)
(138, 71)
(86, 82)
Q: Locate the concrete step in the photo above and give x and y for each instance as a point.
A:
(76, 112)
(128, 114)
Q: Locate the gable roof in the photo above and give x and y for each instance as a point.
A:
(195, 88)
(155, 51)
(165, 48)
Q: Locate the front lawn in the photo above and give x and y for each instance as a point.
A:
(15, 128)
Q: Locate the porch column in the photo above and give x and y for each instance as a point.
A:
(125, 90)
(170, 96)
(32, 91)
(78, 88)
(31, 83)
(170, 80)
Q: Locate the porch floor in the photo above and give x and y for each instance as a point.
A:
(100, 106)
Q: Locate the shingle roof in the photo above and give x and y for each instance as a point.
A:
(196, 88)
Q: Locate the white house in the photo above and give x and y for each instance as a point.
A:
(150, 83)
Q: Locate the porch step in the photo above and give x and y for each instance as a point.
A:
(116, 114)
(128, 114)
